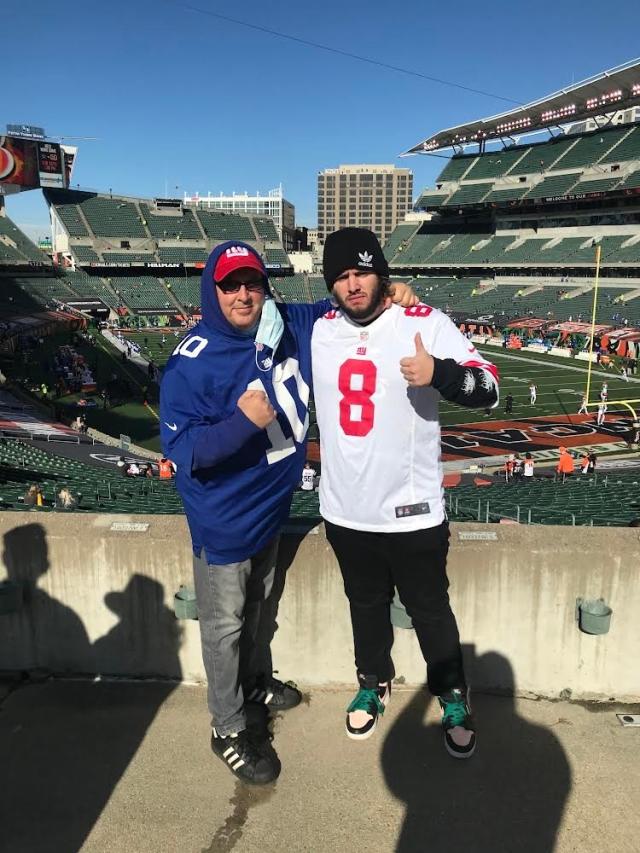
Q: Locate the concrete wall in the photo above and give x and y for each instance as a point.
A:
(99, 600)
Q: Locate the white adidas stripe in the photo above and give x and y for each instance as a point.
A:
(238, 764)
(227, 751)
(256, 694)
(268, 699)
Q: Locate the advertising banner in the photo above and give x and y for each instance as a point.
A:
(19, 162)
(30, 163)
(50, 165)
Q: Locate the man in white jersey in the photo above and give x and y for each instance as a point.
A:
(379, 373)
(308, 475)
(533, 394)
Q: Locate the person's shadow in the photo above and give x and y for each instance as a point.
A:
(509, 797)
(26, 635)
(66, 744)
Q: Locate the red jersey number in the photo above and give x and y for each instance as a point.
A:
(358, 421)
(418, 310)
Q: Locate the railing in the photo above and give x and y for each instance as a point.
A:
(483, 512)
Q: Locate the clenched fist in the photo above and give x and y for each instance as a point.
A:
(418, 369)
(256, 406)
(402, 294)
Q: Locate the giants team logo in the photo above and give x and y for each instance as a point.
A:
(237, 252)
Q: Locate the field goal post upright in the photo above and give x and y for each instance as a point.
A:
(627, 403)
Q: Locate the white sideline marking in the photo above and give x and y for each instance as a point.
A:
(605, 374)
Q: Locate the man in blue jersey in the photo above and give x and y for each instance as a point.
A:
(234, 418)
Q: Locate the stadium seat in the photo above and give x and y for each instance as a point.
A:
(165, 226)
(113, 217)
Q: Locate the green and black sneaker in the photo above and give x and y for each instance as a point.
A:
(368, 705)
(457, 724)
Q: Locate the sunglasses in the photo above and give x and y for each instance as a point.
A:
(234, 286)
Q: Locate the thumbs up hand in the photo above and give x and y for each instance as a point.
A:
(418, 369)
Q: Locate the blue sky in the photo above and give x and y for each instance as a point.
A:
(182, 99)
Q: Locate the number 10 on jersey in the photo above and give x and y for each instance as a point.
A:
(357, 383)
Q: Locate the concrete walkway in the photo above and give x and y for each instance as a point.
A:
(125, 767)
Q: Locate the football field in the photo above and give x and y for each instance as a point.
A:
(560, 384)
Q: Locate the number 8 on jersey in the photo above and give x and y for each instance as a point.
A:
(357, 383)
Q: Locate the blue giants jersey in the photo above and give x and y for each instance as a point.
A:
(235, 479)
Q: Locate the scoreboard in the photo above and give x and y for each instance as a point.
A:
(27, 164)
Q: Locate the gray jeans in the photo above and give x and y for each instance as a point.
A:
(235, 630)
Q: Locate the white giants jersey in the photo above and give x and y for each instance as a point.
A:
(308, 475)
(379, 437)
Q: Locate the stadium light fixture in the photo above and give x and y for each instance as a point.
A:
(515, 124)
(561, 112)
(602, 100)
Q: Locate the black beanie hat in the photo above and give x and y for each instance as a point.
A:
(352, 248)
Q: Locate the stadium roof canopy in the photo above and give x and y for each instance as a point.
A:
(608, 91)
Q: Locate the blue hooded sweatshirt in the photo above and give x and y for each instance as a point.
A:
(236, 479)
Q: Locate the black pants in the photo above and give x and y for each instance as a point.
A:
(415, 563)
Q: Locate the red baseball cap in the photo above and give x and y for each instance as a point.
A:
(237, 258)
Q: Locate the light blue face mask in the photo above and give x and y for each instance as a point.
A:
(269, 334)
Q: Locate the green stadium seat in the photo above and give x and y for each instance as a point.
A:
(632, 181)
(541, 157)
(494, 164)
(627, 149)
(71, 219)
(400, 234)
(265, 228)
(112, 217)
(418, 250)
(171, 226)
(226, 226)
(293, 288)
(181, 255)
(590, 149)
(492, 251)
(84, 254)
(456, 168)
(91, 286)
(582, 501)
(276, 256)
(554, 185)
(26, 250)
(458, 250)
(469, 194)
(430, 200)
(507, 193)
(595, 185)
(142, 293)
(186, 289)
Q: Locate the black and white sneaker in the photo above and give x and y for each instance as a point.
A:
(277, 695)
(369, 703)
(244, 759)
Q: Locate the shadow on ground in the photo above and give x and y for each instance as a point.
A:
(64, 746)
(509, 797)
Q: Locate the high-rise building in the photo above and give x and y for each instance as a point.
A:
(366, 196)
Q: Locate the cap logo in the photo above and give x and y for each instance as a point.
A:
(237, 252)
(365, 259)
